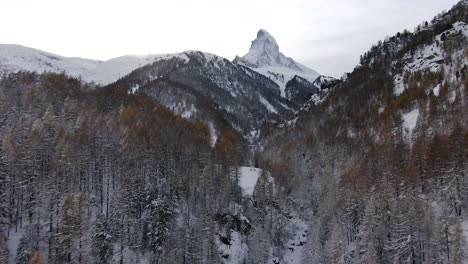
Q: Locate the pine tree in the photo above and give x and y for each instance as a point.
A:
(371, 231)
(161, 209)
(25, 251)
(458, 243)
(192, 252)
(335, 248)
(102, 247)
(82, 225)
(445, 235)
(456, 189)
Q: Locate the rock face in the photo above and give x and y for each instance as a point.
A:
(299, 90)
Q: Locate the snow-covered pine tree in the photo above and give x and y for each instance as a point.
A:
(102, 247)
(160, 210)
(192, 250)
(458, 243)
(25, 250)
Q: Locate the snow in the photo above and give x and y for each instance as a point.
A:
(295, 245)
(186, 112)
(321, 80)
(409, 120)
(270, 108)
(282, 75)
(428, 57)
(432, 56)
(182, 108)
(399, 84)
(235, 253)
(265, 58)
(457, 26)
(248, 178)
(436, 90)
(135, 88)
(213, 133)
(14, 58)
(253, 136)
(13, 242)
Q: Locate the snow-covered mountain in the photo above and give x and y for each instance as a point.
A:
(263, 85)
(198, 84)
(192, 83)
(14, 58)
(265, 58)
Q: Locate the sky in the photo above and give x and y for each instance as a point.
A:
(325, 35)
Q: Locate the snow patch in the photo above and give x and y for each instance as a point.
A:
(399, 84)
(235, 253)
(267, 104)
(135, 88)
(213, 133)
(248, 178)
(409, 121)
(13, 242)
(436, 90)
(295, 245)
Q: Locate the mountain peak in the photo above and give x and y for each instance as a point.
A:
(264, 38)
(265, 57)
(264, 50)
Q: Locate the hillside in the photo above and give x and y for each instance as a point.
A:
(380, 163)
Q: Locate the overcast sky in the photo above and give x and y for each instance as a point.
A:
(325, 35)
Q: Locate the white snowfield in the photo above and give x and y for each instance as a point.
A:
(248, 178)
(14, 58)
(409, 122)
(265, 58)
(410, 119)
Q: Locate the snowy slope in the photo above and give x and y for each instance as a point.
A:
(248, 179)
(429, 57)
(265, 58)
(14, 58)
